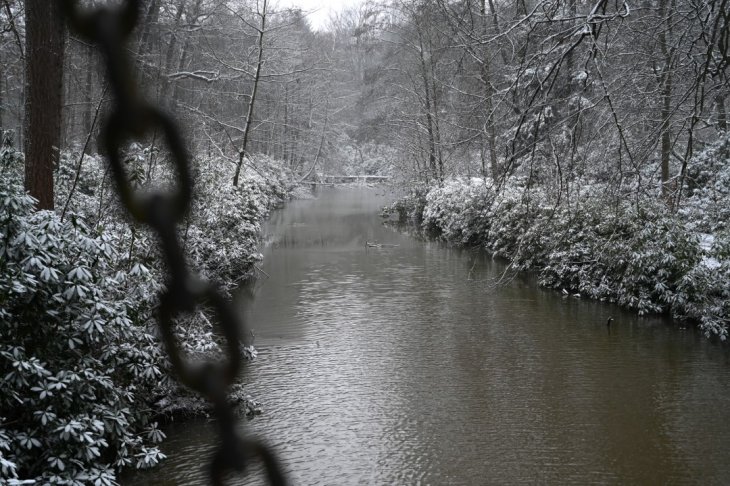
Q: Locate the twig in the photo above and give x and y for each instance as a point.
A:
(83, 152)
(321, 143)
(261, 270)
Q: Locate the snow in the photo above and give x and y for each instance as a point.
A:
(711, 263)
(706, 241)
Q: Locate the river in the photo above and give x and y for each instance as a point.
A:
(407, 365)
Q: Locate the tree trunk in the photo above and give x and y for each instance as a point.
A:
(436, 120)
(428, 112)
(666, 96)
(486, 76)
(257, 76)
(721, 113)
(44, 91)
(89, 89)
(666, 132)
(184, 54)
(2, 105)
(69, 110)
(152, 16)
(321, 143)
(170, 55)
(285, 135)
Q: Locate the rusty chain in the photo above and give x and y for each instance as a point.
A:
(163, 212)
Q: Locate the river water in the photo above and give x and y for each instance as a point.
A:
(407, 365)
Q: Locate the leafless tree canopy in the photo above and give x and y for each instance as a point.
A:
(620, 91)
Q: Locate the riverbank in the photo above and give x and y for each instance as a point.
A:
(85, 380)
(635, 253)
(393, 365)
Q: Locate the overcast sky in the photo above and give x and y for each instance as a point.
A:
(323, 8)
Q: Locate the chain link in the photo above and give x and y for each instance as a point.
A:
(133, 117)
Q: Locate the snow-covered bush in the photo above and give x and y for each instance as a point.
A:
(81, 370)
(516, 227)
(223, 235)
(471, 212)
(410, 206)
(459, 210)
(636, 258)
(706, 288)
(707, 207)
(77, 360)
(222, 231)
(634, 253)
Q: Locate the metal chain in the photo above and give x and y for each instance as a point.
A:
(132, 118)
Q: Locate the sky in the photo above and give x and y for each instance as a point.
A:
(321, 9)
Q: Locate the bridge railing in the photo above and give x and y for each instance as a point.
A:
(336, 178)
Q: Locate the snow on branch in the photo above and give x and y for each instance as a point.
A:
(207, 76)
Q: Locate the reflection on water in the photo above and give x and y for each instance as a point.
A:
(403, 365)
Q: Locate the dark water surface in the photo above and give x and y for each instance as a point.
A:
(405, 365)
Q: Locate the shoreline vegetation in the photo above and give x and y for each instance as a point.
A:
(84, 378)
(598, 131)
(612, 246)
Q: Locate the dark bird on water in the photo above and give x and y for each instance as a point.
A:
(609, 321)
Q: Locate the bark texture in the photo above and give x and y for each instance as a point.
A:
(45, 31)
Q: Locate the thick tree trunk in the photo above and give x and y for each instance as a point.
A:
(152, 15)
(436, 101)
(44, 90)
(170, 55)
(177, 90)
(182, 60)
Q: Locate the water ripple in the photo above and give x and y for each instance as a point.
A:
(403, 367)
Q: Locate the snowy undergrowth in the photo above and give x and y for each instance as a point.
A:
(225, 227)
(221, 233)
(81, 368)
(634, 253)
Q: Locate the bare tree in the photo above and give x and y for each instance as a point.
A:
(260, 29)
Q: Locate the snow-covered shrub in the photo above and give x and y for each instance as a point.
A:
(517, 227)
(11, 161)
(222, 231)
(636, 258)
(706, 291)
(90, 174)
(409, 207)
(77, 362)
(81, 370)
(457, 211)
(225, 224)
(640, 256)
(707, 207)
(472, 212)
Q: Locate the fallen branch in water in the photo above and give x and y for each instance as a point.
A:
(375, 244)
(262, 271)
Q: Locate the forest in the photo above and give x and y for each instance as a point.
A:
(584, 141)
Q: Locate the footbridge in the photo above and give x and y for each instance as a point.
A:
(338, 179)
